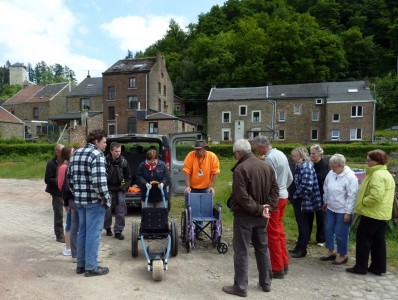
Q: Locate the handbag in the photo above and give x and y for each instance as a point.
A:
(395, 206)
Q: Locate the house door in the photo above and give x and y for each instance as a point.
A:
(239, 129)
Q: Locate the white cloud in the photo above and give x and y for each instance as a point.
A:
(137, 33)
(42, 30)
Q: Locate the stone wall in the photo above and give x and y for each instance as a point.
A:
(9, 130)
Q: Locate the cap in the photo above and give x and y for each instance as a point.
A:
(199, 144)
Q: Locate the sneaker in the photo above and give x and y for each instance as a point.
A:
(108, 231)
(80, 270)
(96, 272)
(67, 252)
(75, 260)
(321, 244)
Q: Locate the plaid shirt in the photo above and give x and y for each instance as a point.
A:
(307, 187)
(87, 175)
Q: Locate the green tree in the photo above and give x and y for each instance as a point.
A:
(385, 91)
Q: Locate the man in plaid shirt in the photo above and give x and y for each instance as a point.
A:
(88, 183)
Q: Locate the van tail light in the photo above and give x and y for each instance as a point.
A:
(166, 158)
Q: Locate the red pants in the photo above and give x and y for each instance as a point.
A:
(277, 237)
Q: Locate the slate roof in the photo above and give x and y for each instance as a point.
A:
(139, 65)
(37, 93)
(91, 86)
(333, 91)
(7, 117)
(160, 116)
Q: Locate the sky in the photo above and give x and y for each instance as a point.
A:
(88, 35)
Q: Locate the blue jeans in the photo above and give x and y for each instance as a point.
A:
(68, 222)
(91, 220)
(337, 231)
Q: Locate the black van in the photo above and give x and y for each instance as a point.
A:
(135, 146)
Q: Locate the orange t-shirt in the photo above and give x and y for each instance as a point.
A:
(209, 165)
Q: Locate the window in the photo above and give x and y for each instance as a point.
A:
(281, 134)
(111, 93)
(133, 102)
(159, 88)
(111, 113)
(85, 104)
(132, 125)
(315, 115)
(111, 129)
(242, 110)
(297, 109)
(335, 134)
(256, 116)
(336, 118)
(164, 90)
(159, 105)
(226, 117)
(356, 111)
(132, 82)
(281, 116)
(35, 113)
(153, 127)
(355, 134)
(225, 134)
(314, 134)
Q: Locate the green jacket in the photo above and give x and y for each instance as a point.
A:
(376, 195)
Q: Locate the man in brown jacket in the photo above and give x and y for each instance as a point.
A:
(254, 196)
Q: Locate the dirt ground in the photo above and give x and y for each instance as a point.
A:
(32, 265)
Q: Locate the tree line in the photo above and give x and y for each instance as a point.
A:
(247, 43)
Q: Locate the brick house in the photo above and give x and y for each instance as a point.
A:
(161, 123)
(35, 105)
(297, 113)
(132, 88)
(10, 125)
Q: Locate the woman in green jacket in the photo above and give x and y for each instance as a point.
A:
(374, 204)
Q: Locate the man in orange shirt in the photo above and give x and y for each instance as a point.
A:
(201, 169)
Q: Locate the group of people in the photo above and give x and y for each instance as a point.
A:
(90, 187)
(260, 193)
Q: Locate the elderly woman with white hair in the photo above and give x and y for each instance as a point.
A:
(340, 192)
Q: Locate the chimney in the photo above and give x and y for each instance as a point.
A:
(366, 82)
(88, 74)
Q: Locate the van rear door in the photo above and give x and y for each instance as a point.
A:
(180, 145)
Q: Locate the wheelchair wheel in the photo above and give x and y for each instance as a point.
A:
(222, 248)
(215, 238)
(188, 246)
(157, 269)
(184, 226)
(134, 240)
(174, 239)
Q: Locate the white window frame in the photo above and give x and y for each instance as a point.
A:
(228, 131)
(297, 109)
(354, 134)
(132, 83)
(240, 107)
(315, 115)
(338, 119)
(229, 117)
(259, 116)
(281, 116)
(337, 136)
(356, 111)
(317, 134)
(153, 127)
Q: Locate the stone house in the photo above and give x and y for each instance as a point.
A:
(10, 125)
(83, 110)
(297, 113)
(35, 105)
(132, 89)
(162, 123)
